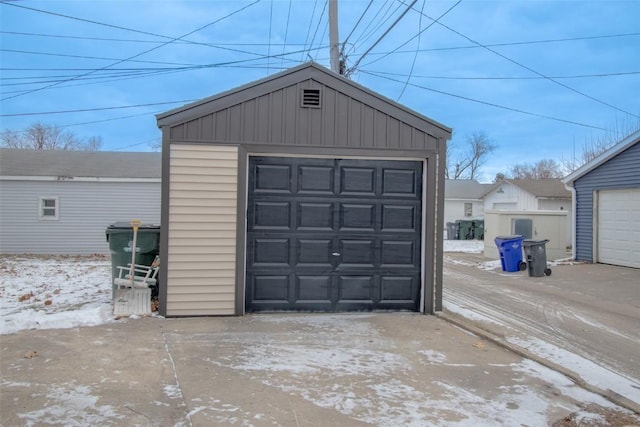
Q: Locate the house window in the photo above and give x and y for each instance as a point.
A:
(49, 208)
(468, 209)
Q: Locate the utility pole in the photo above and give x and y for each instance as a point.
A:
(333, 36)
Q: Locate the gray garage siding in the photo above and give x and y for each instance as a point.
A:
(621, 171)
(276, 118)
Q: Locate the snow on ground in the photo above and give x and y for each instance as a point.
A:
(466, 246)
(46, 292)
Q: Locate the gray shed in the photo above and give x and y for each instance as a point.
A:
(606, 194)
(303, 191)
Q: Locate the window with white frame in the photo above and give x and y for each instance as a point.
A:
(468, 209)
(49, 208)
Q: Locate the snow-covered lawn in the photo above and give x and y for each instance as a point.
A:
(45, 292)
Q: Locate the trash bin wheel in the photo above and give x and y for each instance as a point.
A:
(522, 266)
(547, 272)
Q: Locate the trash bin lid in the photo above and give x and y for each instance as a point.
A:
(533, 242)
(511, 237)
(127, 225)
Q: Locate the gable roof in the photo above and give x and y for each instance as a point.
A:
(306, 71)
(618, 148)
(57, 163)
(468, 189)
(546, 188)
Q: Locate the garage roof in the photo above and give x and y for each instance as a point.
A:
(618, 148)
(307, 71)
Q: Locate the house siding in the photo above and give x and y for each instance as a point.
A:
(619, 172)
(513, 195)
(201, 264)
(86, 209)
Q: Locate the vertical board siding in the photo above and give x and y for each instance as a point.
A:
(278, 118)
(619, 172)
(86, 209)
(202, 230)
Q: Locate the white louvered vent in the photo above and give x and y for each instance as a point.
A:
(311, 98)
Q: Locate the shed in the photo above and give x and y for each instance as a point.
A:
(60, 201)
(606, 197)
(303, 191)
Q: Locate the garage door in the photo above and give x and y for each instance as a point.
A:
(333, 235)
(618, 230)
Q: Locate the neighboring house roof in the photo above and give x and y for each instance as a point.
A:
(464, 189)
(65, 163)
(618, 148)
(547, 188)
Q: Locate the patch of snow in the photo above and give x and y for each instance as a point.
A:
(46, 292)
(597, 375)
(466, 246)
(71, 405)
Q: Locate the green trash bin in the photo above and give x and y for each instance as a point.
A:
(465, 229)
(120, 238)
(478, 229)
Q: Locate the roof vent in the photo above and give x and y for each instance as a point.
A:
(311, 98)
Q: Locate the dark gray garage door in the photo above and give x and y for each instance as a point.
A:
(333, 235)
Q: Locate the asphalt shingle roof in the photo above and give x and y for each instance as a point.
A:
(550, 188)
(104, 164)
(464, 189)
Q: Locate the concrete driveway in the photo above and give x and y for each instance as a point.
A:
(584, 317)
(386, 369)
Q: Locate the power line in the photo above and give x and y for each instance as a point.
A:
(89, 21)
(286, 32)
(313, 13)
(419, 33)
(437, 49)
(64, 55)
(270, 26)
(380, 21)
(356, 25)
(355, 66)
(486, 103)
(529, 68)
(578, 76)
(143, 41)
(318, 26)
(415, 57)
(84, 110)
(142, 53)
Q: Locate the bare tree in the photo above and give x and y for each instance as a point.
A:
(41, 136)
(467, 164)
(595, 146)
(545, 168)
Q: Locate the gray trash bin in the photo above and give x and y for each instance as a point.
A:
(452, 231)
(536, 254)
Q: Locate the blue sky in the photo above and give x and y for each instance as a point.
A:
(541, 78)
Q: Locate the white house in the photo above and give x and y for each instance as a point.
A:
(61, 202)
(530, 195)
(463, 199)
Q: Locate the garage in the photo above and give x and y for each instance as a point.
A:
(618, 232)
(333, 234)
(303, 191)
(606, 205)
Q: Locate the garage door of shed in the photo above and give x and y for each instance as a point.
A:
(333, 235)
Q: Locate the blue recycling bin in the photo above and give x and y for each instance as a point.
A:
(510, 248)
